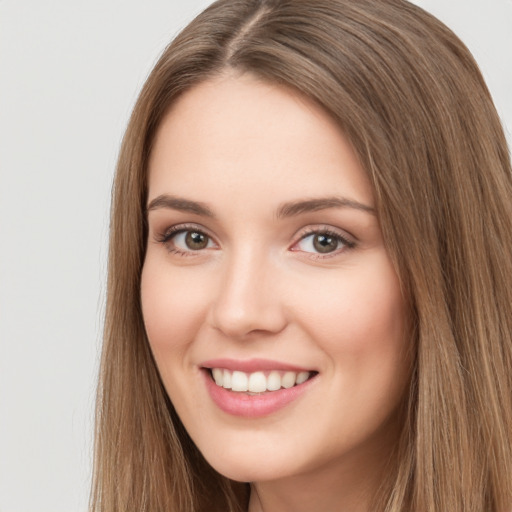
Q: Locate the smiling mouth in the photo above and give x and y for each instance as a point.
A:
(258, 382)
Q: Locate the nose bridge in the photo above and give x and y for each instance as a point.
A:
(247, 298)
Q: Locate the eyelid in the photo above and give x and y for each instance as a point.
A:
(347, 239)
(166, 235)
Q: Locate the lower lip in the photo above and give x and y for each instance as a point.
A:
(253, 406)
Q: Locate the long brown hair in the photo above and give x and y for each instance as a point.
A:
(410, 97)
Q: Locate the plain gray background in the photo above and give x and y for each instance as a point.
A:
(70, 71)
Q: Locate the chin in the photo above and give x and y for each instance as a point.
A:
(251, 466)
(240, 472)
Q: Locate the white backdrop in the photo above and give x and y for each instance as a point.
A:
(70, 71)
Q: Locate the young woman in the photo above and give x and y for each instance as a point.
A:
(310, 282)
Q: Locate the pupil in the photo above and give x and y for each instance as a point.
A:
(325, 243)
(196, 241)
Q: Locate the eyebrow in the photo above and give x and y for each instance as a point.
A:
(180, 204)
(288, 209)
(294, 208)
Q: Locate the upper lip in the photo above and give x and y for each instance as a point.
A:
(252, 365)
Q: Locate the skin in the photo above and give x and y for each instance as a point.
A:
(259, 289)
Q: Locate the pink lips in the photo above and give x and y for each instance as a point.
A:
(252, 406)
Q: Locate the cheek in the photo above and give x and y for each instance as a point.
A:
(172, 306)
(360, 325)
(375, 317)
(358, 318)
(367, 301)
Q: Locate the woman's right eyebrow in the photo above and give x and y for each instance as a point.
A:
(180, 204)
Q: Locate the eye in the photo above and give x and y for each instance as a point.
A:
(182, 240)
(191, 240)
(323, 242)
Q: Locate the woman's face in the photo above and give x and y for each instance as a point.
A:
(271, 305)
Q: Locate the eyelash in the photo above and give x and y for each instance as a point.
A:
(165, 237)
(348, 244)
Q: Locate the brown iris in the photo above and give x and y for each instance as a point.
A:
(324, 243)
(196, 241)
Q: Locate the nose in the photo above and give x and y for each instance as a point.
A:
(248, 299)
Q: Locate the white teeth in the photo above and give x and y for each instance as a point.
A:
(218, 376)
(288, 380)
(226, 379)
(239, 381)
(257, 382)
(273, 381)
(302, 377)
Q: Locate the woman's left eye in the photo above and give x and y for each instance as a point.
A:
(191, 240)
(322, 242)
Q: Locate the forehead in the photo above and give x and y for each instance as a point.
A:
(239, 133)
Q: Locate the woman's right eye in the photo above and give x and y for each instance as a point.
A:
(183, 241)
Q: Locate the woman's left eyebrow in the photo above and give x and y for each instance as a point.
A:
(298, 207)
